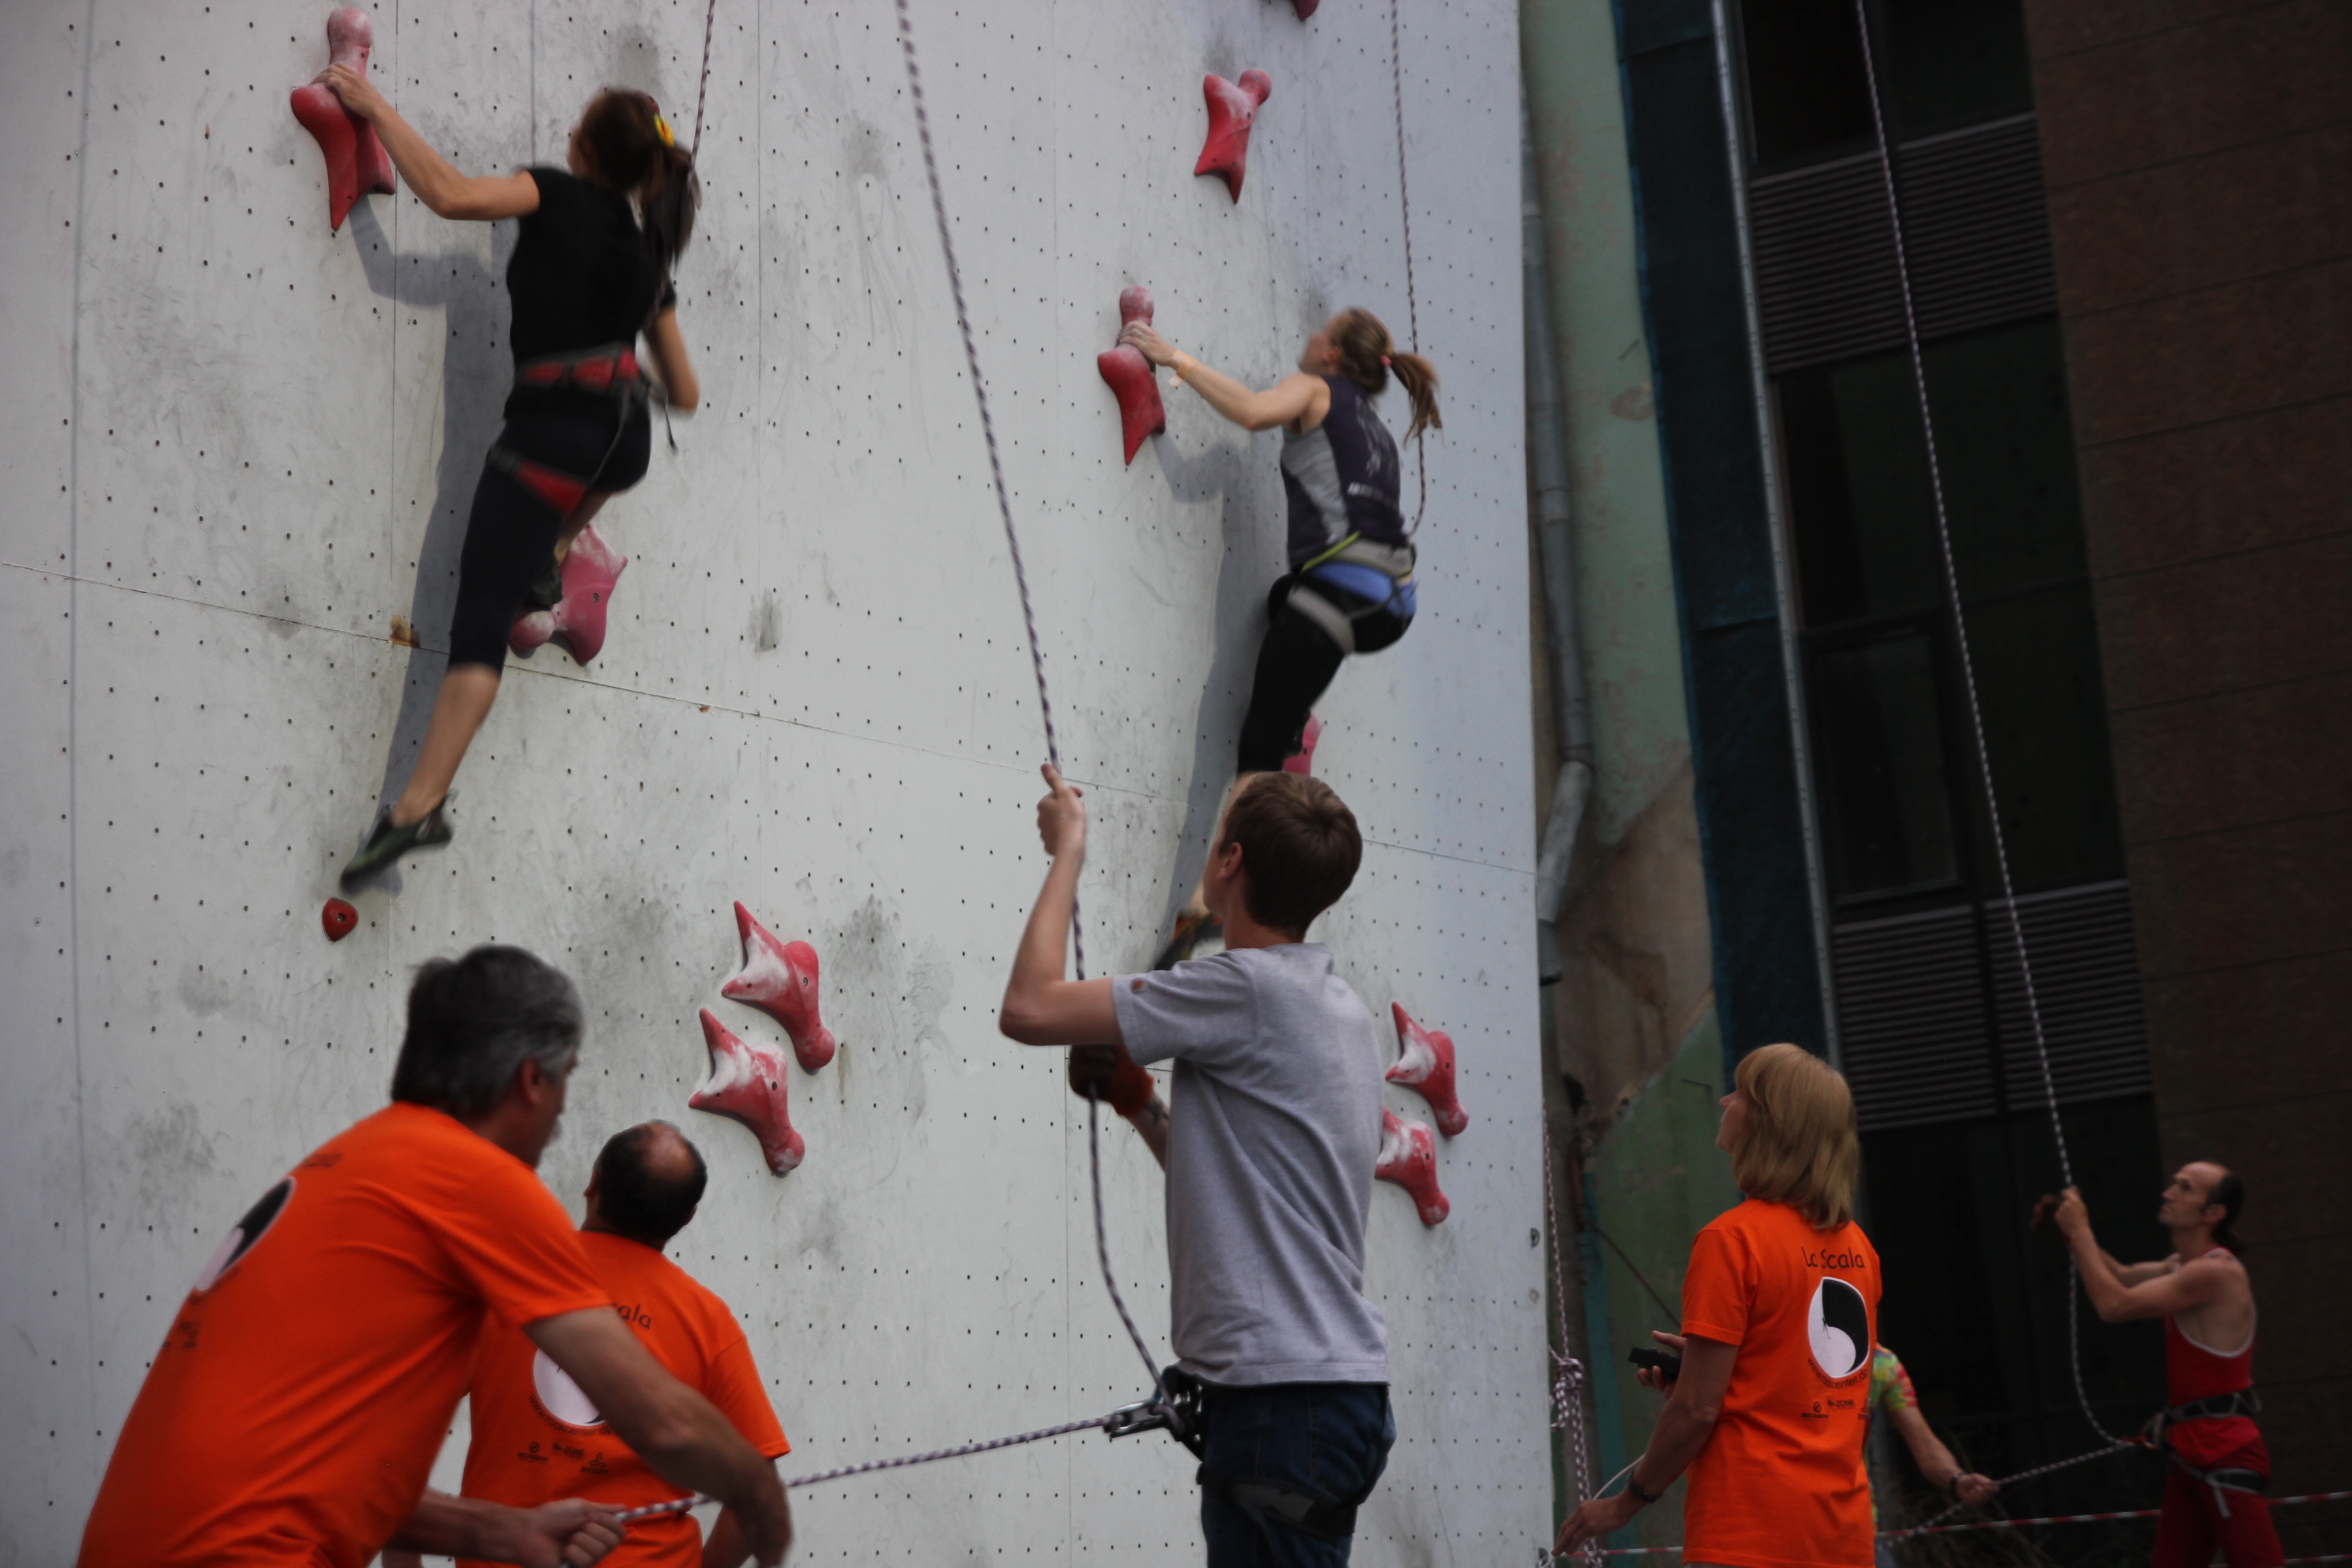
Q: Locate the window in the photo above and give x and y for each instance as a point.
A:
(1806, 90)
(1941, 64)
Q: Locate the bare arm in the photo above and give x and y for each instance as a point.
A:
(678, 1432)
(671, 364)
(436, 180)
(1299, 400)
(724, 1548)
(1936, 1462)
(1694, 1401)
(568, 1534)
(1041, 1007)
(2152, 1295)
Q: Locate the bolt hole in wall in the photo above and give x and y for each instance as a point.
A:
(812, 694)
(1932, 1017)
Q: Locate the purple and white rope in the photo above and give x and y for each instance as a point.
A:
(1405, 202)
(1568, 1375)
(709, 19)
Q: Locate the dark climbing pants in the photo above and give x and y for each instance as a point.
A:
(511, 532)
(1294, 667)
(1324, 1441)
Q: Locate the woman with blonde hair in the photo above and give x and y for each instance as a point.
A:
(1779, 1310)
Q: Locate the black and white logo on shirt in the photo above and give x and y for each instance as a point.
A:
(1837, 1326)
(249, 1231)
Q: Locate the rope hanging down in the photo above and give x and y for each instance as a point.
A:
(1567, 1372)
(1976, 711)
(709, 16)
(1405, 202)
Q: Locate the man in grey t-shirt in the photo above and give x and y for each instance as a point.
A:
(1269, 1151)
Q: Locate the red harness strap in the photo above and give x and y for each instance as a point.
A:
(611, 370)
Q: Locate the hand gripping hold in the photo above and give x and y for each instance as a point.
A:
(1409, 1158)
(1426, 1062)
(356, 161)
(780, 979)
(1128, 374)
(1233, 109)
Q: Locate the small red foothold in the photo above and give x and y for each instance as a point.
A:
(1426, 1062)
(1305, 8)
(1233, 109)
(339, 919)
(1409, 1158)
(590, 571)
(747, 1083)
(356, 161)
(1302, 761)
(1129, 375)
(780, 979)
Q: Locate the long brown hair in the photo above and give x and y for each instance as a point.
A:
(621, 131)
(1368, 356)
(1797, 1143)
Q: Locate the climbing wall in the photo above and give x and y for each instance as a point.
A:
(238, 446)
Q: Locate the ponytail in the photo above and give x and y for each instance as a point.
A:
(632, 149)
(1368, 356)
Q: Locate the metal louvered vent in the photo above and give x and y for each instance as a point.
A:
(1915, 1030)
(1977, 232)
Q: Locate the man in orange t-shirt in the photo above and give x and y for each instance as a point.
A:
(1779, 1313)
(293, 1411)
(537, 1439)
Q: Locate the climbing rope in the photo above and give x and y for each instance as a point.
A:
(1404, 202)
(1567, 1372)
(1976, 714)
(709, 18)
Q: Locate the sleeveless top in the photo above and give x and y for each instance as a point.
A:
(581, 277)
(2192, 1371)
(1343, 478)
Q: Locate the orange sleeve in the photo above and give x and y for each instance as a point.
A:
(1720, 1288)
(733, 1385)
(514, 1244)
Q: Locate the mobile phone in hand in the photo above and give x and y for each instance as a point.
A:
(1662, 1361)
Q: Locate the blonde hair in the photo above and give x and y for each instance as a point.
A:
(1796, 1142)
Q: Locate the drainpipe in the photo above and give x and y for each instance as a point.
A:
(1555, 552)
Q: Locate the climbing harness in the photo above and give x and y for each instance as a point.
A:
(1395, 561)
(1411, 303)
(609, 371)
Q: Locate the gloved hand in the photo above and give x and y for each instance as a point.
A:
(1110, 1074)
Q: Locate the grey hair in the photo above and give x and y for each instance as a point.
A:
(474, 1021)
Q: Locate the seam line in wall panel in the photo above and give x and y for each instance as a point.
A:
(2318, 264)
(2222, 149)
(2125, 39)
(2214, 833)
(2266, 961)
(73, 705)
(2162, 703)
(2154, 432)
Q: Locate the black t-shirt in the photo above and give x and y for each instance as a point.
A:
(581, 276)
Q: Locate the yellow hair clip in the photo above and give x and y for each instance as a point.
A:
(662, 130)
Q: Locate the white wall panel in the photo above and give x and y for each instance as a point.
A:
(244, 446)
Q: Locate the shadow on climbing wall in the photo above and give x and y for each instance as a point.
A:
(474, 372)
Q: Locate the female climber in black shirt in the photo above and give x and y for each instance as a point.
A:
(1349, 588)
(586, 278)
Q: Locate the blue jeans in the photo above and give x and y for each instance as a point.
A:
(1327, 1441)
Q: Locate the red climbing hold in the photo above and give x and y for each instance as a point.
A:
(589, 572)
(1305, 8)
(1129, 375)
(1232, 107)
(1426, 1062)
(339, 919)
(1302, 761)
(780, 979)
(1409, 1158)
(747, 1083)
(356, 161)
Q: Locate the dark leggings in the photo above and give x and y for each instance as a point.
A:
(1295, 666)
(511, 532)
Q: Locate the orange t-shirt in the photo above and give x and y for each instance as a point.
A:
(293, 1412)
(537, 1436)
(1780, 1482)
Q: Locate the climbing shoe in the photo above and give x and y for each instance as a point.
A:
(1193, 927)
(547, 591)
(388, 844)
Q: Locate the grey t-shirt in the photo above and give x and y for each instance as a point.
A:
(1273, 1134)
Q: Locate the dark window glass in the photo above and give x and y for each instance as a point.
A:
(2006, 443)
(1947, 62)
(1862, 512)
(1885, 792)
(1806, 90)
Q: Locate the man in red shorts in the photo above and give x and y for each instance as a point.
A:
(2214, 1492)
(293, 1411)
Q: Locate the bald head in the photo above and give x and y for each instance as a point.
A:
(647, 1180)
(2205, 1195)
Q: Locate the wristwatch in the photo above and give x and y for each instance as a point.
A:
(1634, 1488)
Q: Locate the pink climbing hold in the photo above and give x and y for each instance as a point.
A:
(780, 979)
(1233, 109)
(1302, 761)
(747, 1083)
(1425, 1063)
(1305, 8)
(1129, 375)
(1409, 1158)
(590, 571)
(356, 161)
(339, 919)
